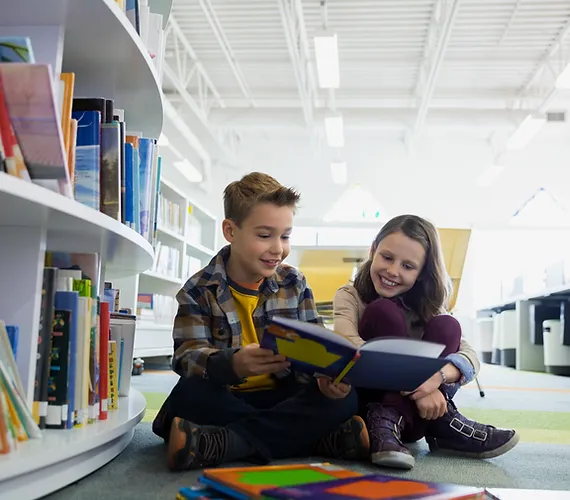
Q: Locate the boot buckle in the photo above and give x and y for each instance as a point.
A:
(467, 430)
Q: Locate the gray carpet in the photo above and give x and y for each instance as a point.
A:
(140, 471)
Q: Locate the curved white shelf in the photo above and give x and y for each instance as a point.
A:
(73, 227)
(109, 59)
(61, 457)
(100, 46)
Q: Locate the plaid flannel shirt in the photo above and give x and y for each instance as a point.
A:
(207, 320)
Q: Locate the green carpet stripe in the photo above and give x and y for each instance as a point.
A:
(523, 419)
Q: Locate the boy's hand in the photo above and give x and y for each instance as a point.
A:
(253, 360)
(432, 406)
(332, 390)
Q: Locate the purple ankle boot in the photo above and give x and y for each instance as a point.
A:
(455, 434)
(385, 427)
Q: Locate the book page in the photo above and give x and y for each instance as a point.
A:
(406, 346)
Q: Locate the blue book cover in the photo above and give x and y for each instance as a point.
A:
(13, 332)
(200, 492)
(88, 158)
(129, 187)
(136, 190)
(375, 486)
(157, 198)
(16, 49)
(386, 363)
(70, 301)
(146, 151)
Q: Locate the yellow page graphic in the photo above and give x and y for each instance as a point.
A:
(306, 351)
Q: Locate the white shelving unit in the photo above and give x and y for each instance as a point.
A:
(96, 41)
(154, 337)
(93, 39)
(63, 457)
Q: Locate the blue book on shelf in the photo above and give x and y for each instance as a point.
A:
(146, 152)
(129, 186)
(69, 301)
(157, 197)
(88, 158)
(16, 49)
(136, 190)
(13, 334)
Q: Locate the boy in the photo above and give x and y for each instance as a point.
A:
(235, 400)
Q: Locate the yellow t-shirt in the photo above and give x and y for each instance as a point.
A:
(246, 297)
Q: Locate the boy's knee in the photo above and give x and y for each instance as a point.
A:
(382, 318)
(346, 407)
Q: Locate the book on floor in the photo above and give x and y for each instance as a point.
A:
(244, 483)
(387, 363)
(376, 487)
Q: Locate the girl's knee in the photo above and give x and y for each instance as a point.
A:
(444, 329)
(382, 318)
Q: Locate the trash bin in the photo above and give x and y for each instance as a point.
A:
(556, 355)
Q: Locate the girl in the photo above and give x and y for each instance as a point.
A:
(402, 290)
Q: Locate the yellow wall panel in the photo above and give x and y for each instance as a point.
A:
(327, 270)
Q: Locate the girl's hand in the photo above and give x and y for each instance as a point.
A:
(332, 390)
(429, 386)
(432, 406)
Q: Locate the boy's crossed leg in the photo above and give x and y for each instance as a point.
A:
(209, 424)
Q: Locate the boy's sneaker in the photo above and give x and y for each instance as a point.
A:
(348, 442)
(455, 434)
(192, 446)
(386, 447)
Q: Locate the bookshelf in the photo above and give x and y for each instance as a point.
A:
(63, 457)
(195, 248)
(95, 40)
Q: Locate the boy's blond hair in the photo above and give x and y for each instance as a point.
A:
(241, 197)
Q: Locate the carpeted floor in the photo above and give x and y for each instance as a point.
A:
(537, 405)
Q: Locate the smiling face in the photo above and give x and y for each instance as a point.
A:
(260, 243)
(396, 265)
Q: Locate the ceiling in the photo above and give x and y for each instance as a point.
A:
(410, 71)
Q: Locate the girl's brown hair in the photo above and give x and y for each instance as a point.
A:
(430, 294)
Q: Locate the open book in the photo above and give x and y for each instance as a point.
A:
(388, 363)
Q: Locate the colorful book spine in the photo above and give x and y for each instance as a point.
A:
(87, 158)
(113, 376)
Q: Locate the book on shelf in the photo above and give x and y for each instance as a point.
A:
(149, 26)
(391, 364)
(156, 308)
(28, 93)
(80, 147)
(84, 355)
(17, 423)
(16, 49)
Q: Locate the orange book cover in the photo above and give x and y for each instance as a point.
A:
(251, 481)
(376, 487)
(132, 139)
(68, 83)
